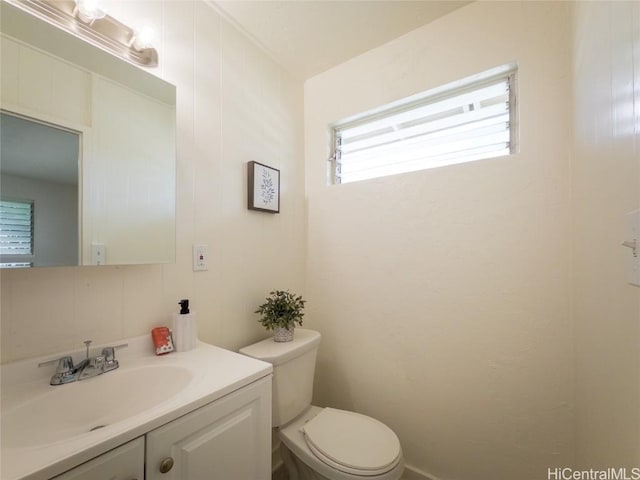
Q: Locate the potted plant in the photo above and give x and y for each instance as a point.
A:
(280, 313)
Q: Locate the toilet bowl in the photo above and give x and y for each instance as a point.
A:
(322, 443)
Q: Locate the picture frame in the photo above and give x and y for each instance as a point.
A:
(264, 188)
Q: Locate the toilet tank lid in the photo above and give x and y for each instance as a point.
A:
(277, 353)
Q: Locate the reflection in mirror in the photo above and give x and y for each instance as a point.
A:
(39, 193)
(123, 121)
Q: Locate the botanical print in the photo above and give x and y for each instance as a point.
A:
(267, 188)
(264, 188)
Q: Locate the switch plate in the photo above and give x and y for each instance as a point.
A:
(200, 257)
(633, 234)
(98, 254)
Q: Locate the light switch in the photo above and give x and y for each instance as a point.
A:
(632, 242)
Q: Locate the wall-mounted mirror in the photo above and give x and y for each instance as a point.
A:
(39, 167)
(87, 152)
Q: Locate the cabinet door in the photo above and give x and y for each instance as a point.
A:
(229, 439)
(123, 463)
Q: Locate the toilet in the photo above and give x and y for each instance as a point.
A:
(322, 443)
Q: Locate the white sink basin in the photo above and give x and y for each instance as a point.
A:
(81, 407)
(46, 430)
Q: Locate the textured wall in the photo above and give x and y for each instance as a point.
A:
(606, 185)
(234, 105)
(443, 296)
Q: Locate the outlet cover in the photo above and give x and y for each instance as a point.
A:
(200, 257)
(633, 238)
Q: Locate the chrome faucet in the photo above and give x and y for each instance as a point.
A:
(67, 372)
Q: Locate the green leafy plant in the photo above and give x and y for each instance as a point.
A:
(281, 309)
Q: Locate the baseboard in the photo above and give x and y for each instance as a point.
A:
(412, 473)
(277, 466)
(278, 470)
(279, 473)
(276, 459)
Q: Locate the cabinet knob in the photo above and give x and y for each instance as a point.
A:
(166, 465)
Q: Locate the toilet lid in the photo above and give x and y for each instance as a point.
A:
(352, 442)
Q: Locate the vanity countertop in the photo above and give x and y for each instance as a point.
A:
(173, 385)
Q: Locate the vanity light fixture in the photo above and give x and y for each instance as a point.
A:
(88, 20)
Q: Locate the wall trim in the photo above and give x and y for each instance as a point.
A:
(412, 473)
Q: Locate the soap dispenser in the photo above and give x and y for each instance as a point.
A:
(185, 328)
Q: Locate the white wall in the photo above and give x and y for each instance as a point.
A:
(443, 296)
(606, 185)
(234, 105)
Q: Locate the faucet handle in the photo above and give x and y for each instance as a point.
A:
(65, 364)
(99, 362)
(109, 355)
(64, 371)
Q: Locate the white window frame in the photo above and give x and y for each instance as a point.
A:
(407, 108)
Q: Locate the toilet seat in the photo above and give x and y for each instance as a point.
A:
(352, 443)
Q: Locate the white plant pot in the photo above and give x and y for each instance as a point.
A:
(281, 334)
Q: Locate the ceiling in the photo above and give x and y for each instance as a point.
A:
(308, 37)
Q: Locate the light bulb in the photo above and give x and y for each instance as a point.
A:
(90, 10)
(145, 36)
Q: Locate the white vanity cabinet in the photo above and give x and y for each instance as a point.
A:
(123, 463)
(227, 439)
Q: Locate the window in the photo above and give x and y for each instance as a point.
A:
(16, 233)
(470, 120)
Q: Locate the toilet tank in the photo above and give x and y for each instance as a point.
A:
(294, 365)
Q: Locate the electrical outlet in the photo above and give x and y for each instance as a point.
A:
(200, 257)
(98, 254)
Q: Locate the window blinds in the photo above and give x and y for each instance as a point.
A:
(462, 126)
(16, 228)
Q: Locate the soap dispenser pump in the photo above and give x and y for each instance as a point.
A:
(184, 306)
(185, 328)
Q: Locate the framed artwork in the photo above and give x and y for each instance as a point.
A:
(264, 188)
